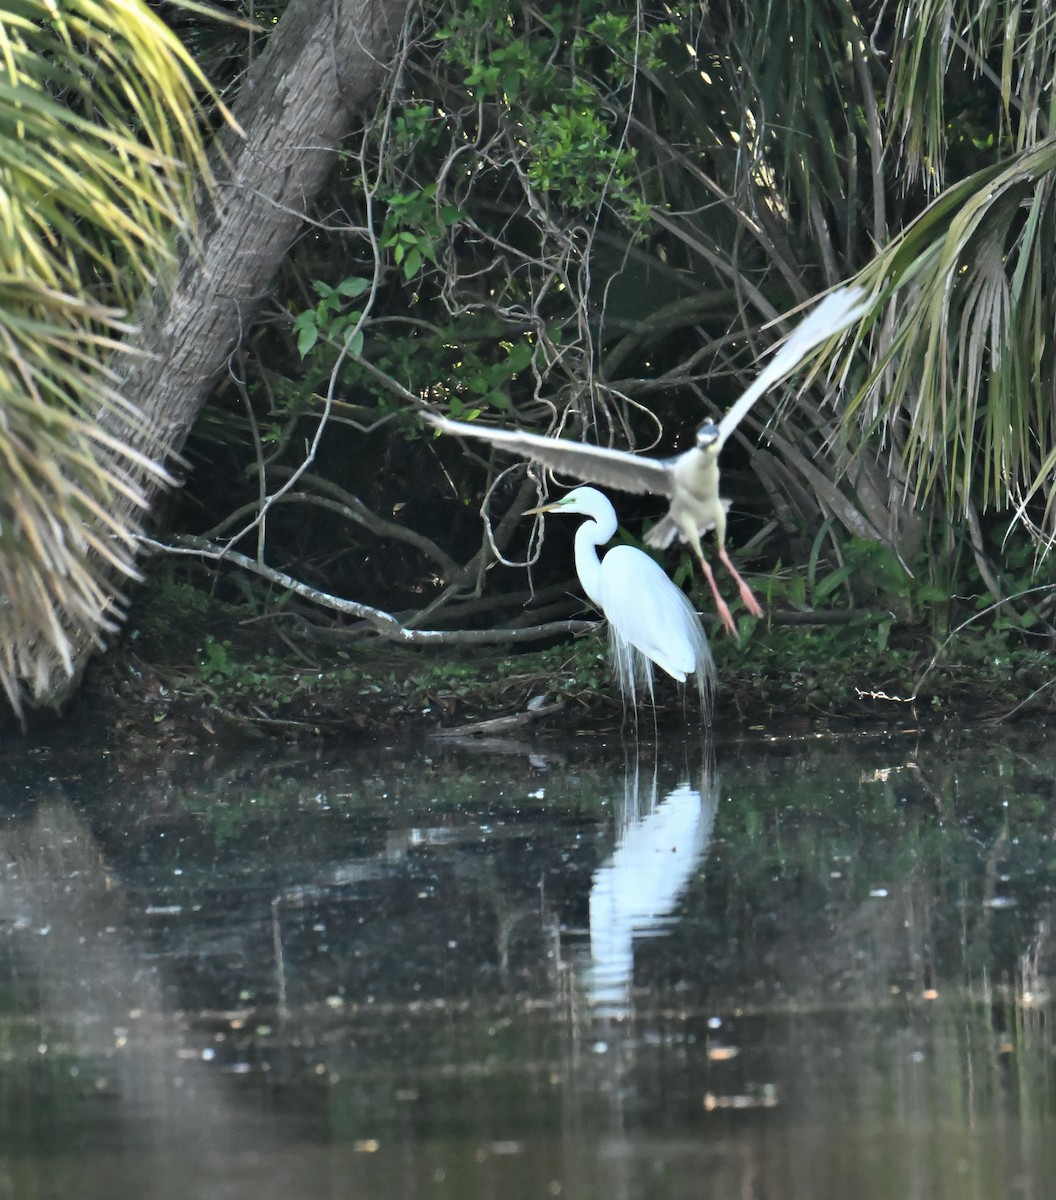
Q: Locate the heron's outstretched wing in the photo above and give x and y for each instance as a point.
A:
(831, 316)
(593, 464)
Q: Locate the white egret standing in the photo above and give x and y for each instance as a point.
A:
(690, 480)
(650, 619)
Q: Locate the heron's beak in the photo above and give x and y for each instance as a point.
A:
(543, 508)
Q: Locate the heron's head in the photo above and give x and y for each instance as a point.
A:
(707, 434)
(586, 501)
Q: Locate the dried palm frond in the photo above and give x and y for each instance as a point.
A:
(99, 155)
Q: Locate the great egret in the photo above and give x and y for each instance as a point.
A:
(690, 480)
(650, 620)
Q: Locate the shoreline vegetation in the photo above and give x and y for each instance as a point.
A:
(796, 670)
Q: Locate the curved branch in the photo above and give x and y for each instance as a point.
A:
(345, 504)
(383, 623)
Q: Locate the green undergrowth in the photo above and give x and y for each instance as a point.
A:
(225, 658)
(190, 654)
(870, 671)
(377, 684)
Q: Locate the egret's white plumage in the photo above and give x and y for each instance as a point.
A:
(635, 892)
(650, 620)
(690, 480)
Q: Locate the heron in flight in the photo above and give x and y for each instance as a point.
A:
(690, 480)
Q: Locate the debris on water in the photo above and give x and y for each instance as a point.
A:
(763, 1097)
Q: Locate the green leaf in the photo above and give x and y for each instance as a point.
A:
(518, 357)
(832, 581)
(354, 286)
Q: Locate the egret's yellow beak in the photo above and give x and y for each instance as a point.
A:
(543, 508)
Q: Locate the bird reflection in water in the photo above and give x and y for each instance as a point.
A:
(634, 893)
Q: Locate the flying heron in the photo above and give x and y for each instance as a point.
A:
(689, 480)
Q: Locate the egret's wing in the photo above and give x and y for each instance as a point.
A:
(832, 315)
(593, 464)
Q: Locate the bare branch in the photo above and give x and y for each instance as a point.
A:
(383, 623)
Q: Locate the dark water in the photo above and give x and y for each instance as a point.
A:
(812, 969)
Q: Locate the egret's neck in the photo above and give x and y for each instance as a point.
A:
(589, 536)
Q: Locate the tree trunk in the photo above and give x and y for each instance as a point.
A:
(325, 59)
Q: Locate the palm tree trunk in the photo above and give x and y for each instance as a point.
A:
(323, 61)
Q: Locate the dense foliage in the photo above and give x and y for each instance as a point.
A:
(593, 219)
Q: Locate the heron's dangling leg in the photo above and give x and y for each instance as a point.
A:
(724, 609)
(747, 597)
(720, 604)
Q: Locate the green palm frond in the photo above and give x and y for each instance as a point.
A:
(967, 74)
(99, 156)
(963, 375)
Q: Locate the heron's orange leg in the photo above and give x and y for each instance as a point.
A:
(747, 597)
(720, 604)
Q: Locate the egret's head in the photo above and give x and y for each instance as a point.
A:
(707, 434)
(586, 501)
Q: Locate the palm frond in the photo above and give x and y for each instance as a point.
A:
(99, 157)
(937, 112)
(964, 358)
